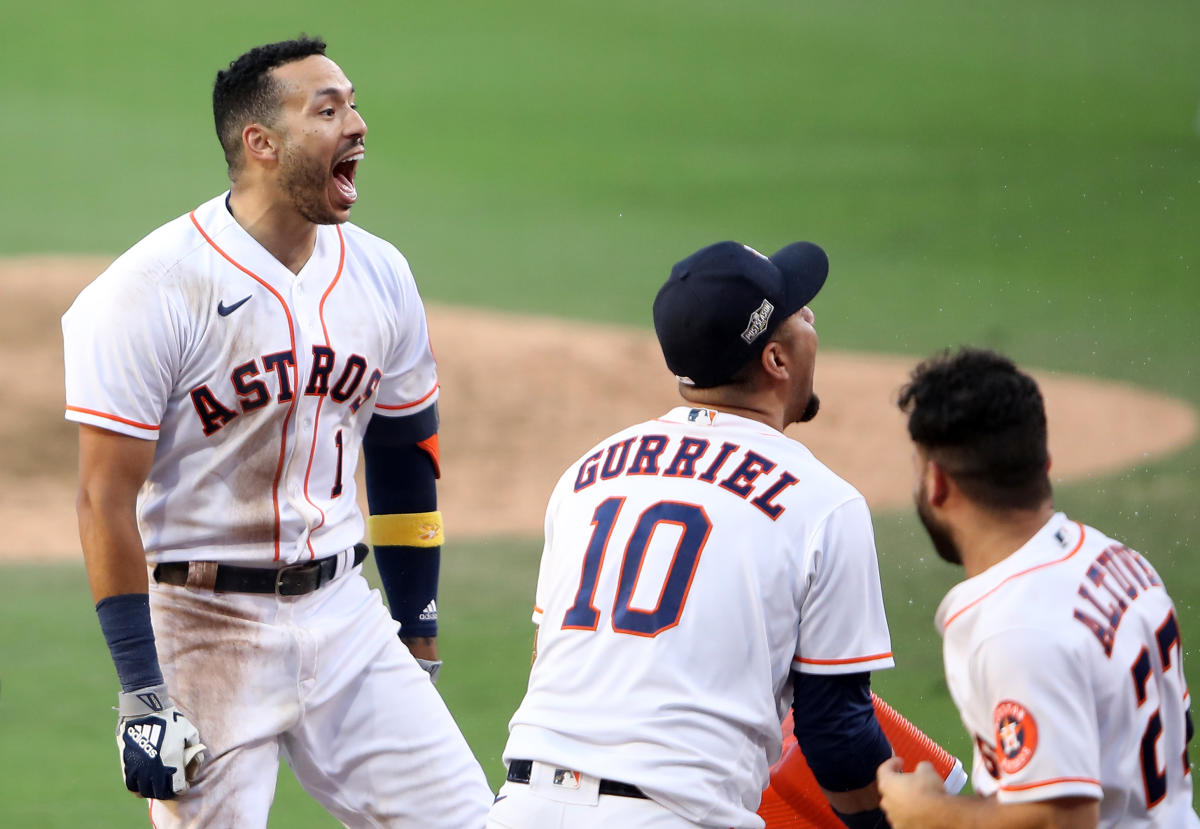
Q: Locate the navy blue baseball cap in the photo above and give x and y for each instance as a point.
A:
(719, 306)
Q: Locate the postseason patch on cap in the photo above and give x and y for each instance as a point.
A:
(759, 318)
(1016, 736)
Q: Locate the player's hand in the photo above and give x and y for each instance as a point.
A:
(160, 750)
(907, 799)
(433, 667)
(424, 650)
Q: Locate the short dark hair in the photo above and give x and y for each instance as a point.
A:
(984, 421)
(245, 93)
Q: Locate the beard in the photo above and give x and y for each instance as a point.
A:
(306, 180)
(810, 409)
(939, 533)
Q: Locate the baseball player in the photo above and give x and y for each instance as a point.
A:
(702, 572)
(1062, 647)
(225, 373)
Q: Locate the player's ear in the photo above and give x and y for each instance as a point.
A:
(260, 143)
(774, 360)
(937, 483)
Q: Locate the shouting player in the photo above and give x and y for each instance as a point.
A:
(1062, 647)
(225, 373)
(702, 572)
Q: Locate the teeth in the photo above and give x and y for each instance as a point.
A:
(356, 157)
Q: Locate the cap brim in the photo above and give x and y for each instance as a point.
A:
(804, 267)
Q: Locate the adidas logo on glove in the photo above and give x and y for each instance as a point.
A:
(147, 736)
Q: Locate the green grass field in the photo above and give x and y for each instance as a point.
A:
(1023, 176)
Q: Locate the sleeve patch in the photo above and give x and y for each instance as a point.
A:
(1016, 736)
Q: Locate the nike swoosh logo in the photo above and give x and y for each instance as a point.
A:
(225, 310)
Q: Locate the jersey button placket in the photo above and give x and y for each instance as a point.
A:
(308, 333)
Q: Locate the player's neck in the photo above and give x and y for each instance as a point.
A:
(988, 537)
(275, 225)
(762, 415)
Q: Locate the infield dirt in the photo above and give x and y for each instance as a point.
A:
(522, 397)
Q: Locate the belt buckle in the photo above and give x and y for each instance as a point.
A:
(285, 585)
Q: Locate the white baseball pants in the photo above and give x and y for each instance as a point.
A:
(323, 679)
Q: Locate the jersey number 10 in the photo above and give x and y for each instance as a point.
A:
(694, 530)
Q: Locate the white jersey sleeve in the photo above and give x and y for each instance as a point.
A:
(123, 344)
(1043, 721)
(409, 382)
(843, 572)
(547, 567)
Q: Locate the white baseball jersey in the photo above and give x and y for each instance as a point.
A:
(256, 382)
(257, 385)
(690, 563)
(1065, 662)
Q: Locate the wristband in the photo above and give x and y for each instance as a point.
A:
(125, 623)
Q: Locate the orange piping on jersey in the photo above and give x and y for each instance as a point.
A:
(848, 661)
(537, 609)
(295, 373)
(418, 402)
(1020, 787)
(1026, 571)
(312, 449)
(113, 417)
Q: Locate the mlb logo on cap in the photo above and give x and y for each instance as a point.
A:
(720, 305)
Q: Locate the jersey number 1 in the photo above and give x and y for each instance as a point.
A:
(694, 530)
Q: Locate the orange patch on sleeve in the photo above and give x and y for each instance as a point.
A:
(430, 447)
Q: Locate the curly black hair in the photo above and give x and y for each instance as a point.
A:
(984, 422)
(245, 93)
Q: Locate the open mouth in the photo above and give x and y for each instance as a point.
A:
(343, 176)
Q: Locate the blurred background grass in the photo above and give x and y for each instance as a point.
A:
(1020, 175)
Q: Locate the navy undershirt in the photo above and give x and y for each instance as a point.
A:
(836, 728)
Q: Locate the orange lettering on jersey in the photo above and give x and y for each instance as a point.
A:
(1016, 736)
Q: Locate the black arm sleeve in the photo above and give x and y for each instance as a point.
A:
(400, 479)
(837, 730)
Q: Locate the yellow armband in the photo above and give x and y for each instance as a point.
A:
(414, 529)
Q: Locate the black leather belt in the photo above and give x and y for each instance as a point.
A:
(519, 771)
(292, 580)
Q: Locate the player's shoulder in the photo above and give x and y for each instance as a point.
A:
(569, 475)
(1030, 588)
(819, 488)
(366, 245)
(148, 266)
